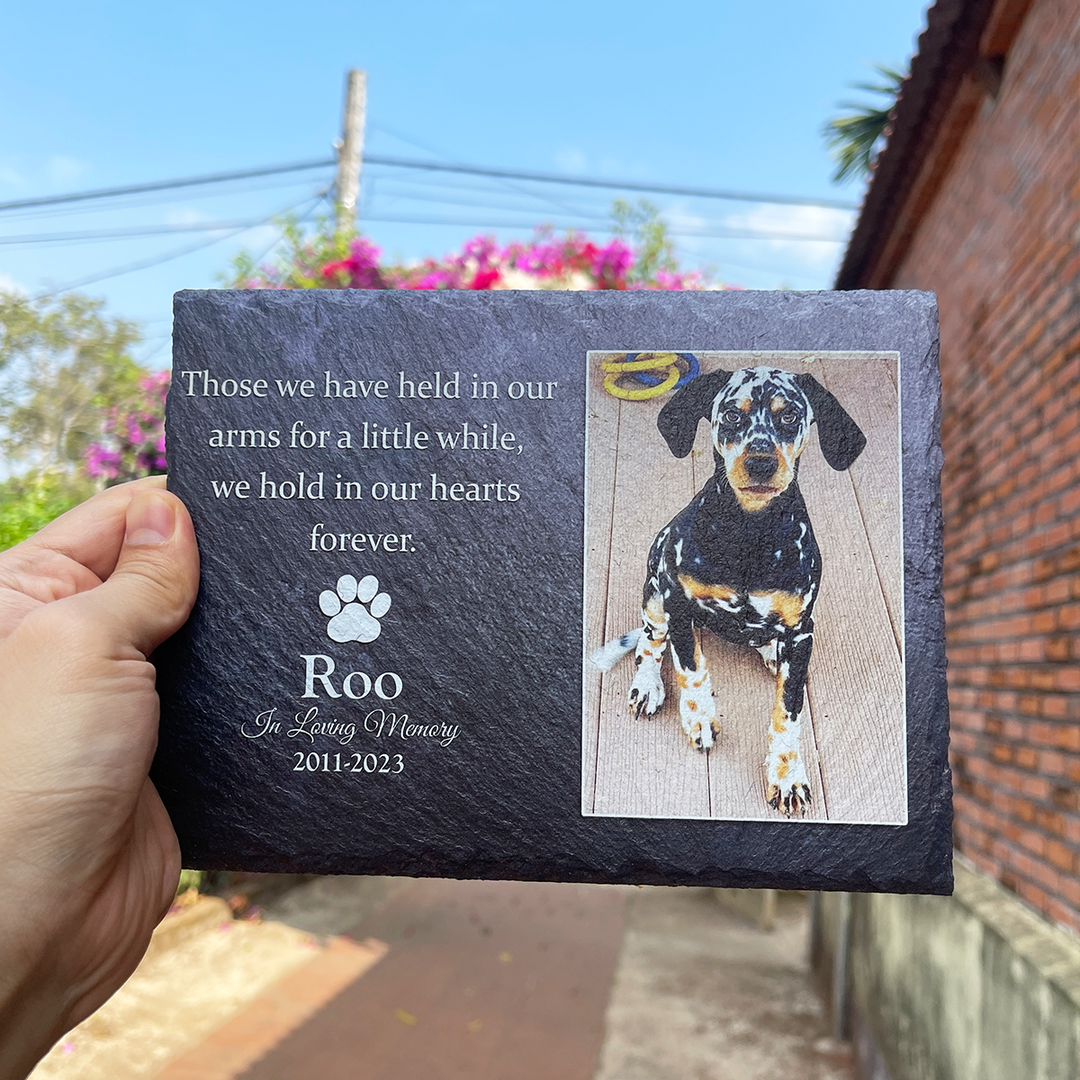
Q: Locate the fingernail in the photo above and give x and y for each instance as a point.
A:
(150, 519)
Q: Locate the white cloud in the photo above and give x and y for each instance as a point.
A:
(58, 171)
(64, 171)
(759, 261)
(12, 178)
(10, 285)
(186, 215)
(683, 223)
(571, 161)
(260, 237)
(822, 221)
(575, 161)
(678, 215)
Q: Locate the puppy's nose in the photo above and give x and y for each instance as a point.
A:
(760, 467)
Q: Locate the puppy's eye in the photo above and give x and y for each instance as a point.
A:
(731, 416)
(789, 418)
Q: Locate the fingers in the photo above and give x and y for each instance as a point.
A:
(149, 594)
(89, 534)
(74, 553)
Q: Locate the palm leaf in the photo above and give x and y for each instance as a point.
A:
(854, 139)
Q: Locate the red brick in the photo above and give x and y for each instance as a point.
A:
(1043, 734)
(1045, 679)
(1063, 914)
(1033, 895)
(1068, 738)
(1049, 821)
(996, 244)
(1068, 798)
(1026, 758)
(1057, 649)
(1061, 856)
(1070, 890)
(1054, 706)
(1067, 678)
(1001, 753)
(1032, 841)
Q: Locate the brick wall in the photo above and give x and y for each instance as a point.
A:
(998, 243)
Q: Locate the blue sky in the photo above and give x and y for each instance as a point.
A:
(712, 94)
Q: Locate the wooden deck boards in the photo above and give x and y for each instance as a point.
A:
(853, 739)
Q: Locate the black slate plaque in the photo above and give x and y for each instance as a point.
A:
(639, 587)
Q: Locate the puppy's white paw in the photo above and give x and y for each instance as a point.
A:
(697, 711)
(768, 656)
(787, 785)
(647, 690)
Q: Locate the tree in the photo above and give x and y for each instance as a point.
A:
(855, 139)
(132, 442)
(63, 363)
(64, 366)
(642, 223)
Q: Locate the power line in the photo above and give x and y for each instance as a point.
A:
(404, 192)
(720, 233)
(145, 264)
(142, 264)
(137, 231)
(624, 185)
(130, 232)
(152, 345)
(429, 149)
(435, 166)
(319, 196)
(397, 189)
(162, 185)
(164, 197)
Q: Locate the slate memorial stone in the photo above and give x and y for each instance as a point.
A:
(610, 586)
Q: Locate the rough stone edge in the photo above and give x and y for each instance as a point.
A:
(1053, 952)
(930, 833)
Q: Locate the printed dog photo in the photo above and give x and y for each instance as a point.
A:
(744, 587)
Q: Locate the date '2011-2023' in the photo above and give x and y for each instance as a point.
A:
(366, 763)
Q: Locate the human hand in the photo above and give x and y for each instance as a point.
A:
(88, 857)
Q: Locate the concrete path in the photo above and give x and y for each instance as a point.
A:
(396, 979)
(519, 981)
(485, 980)
(701, 993)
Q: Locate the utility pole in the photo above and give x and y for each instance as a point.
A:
(351, 150)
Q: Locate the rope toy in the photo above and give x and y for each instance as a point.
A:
(641, 376)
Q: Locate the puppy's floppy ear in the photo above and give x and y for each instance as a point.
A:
(841, 439)
(678, 419)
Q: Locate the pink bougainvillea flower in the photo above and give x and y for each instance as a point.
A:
(102, 463)
(485, 279)
(481, 248)
(132, 440)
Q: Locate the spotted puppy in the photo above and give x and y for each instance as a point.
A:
(741, 559)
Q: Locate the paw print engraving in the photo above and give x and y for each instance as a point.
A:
(354, 608)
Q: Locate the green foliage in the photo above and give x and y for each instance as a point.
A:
(855, 139)
(189, 879)
(299, 258)
(30, 503)
(641, 223)
(62, 364)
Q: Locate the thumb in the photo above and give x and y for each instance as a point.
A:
(150, 594)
